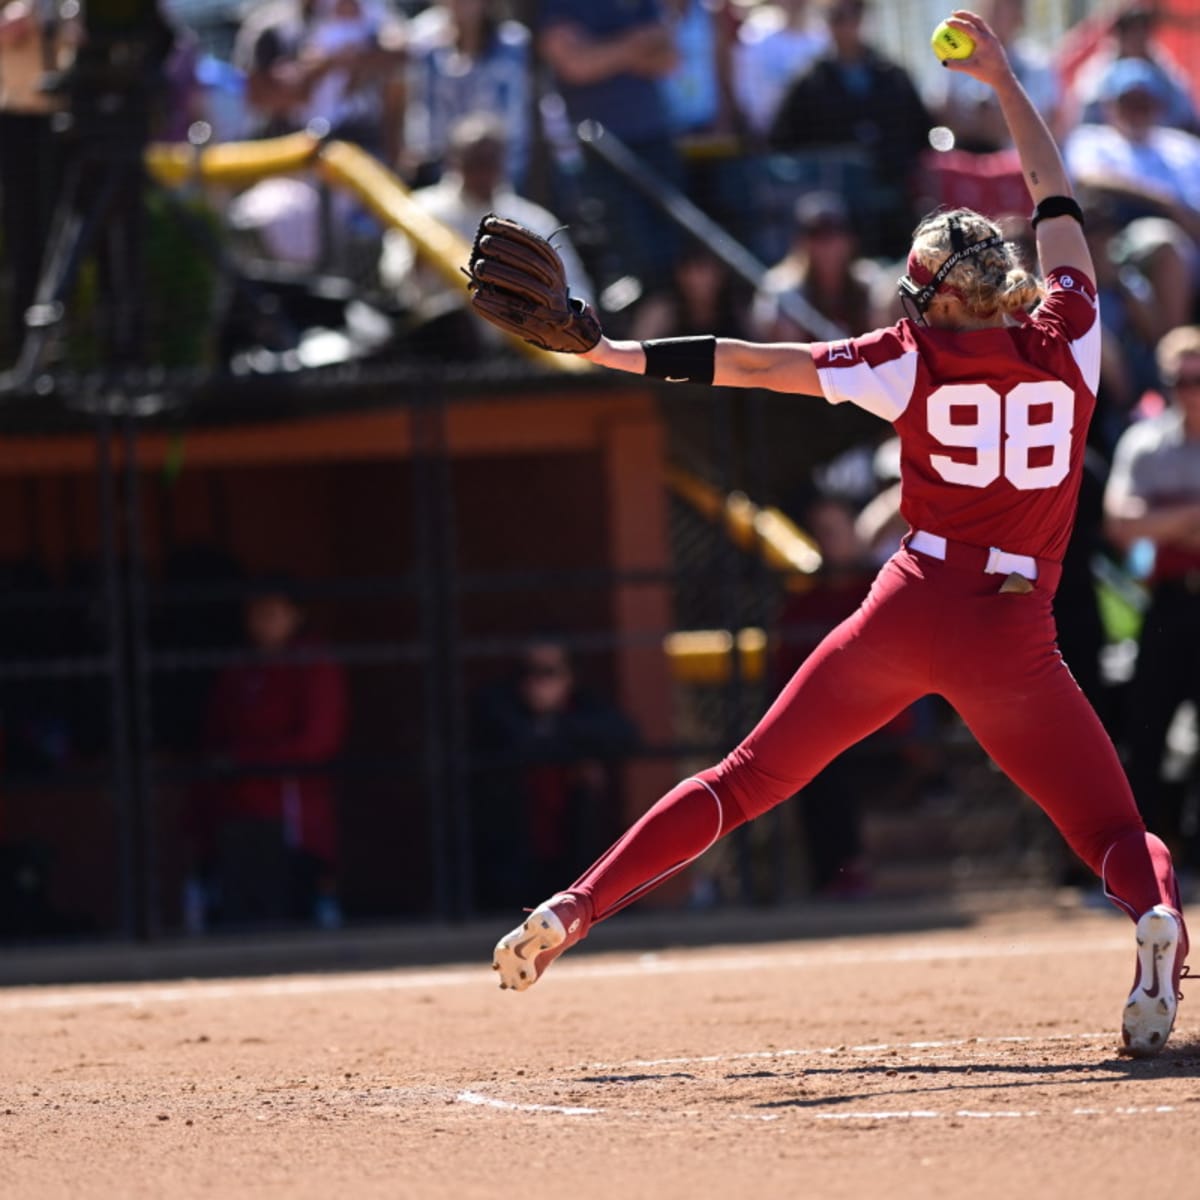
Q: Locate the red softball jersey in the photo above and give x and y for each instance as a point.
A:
(992, 422)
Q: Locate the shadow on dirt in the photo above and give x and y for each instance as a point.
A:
(1041, 1083)
(1175, 1062)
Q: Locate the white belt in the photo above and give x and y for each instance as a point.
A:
(999, 562)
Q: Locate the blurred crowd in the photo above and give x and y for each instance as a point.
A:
(789, 122)
(792, 126)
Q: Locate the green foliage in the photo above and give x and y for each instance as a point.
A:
(183, 280)
(1120, 616)
(182, 289)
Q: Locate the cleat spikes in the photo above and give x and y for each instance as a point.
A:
(1150, 1011)
(523, 954)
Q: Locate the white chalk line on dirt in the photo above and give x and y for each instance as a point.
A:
(647, 965)
(971, 1114)
(477, 1098)
(480, 1100)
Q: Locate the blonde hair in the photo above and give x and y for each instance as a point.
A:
(989, 282)
(1179, 343)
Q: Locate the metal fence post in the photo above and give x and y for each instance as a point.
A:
(150, 917)
(729, 585)
(425, 532)
(781, 816)
(455, 738)
(451, 818)
(122, 775)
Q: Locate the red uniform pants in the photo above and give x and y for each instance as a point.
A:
(926, 626)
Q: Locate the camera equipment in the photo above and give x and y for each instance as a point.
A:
(109, 89)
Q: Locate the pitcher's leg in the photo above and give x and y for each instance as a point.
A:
(1049, 741)
(668, 837)
(844, 691)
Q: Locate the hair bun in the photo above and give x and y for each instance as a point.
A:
(989, 282)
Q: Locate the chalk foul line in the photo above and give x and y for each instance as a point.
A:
(480, 1100)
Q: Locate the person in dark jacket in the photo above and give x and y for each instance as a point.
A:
(853, 96)
(545, 748)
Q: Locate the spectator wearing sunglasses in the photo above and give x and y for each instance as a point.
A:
(545, 748)
(1153, 496)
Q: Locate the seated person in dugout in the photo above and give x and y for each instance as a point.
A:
(265, 841)
(991, 403)
(546, 752)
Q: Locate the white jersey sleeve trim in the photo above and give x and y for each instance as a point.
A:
(884, 390)
(1086, 352)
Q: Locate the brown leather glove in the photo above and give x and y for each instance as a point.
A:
(518, 283)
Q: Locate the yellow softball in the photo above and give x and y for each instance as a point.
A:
(948, 42)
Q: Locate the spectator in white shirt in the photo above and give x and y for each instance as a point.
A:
(1150, 175)
(474, 184)
(1152, 168)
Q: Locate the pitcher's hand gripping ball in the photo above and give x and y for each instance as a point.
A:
(949, 42)
(517, 282)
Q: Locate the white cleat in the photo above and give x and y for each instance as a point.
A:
(1150, 1010)
(522, 955)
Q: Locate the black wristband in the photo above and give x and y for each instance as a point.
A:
(682, 360)
(1057, 206)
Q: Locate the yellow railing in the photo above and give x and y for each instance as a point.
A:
(783, 545)
(705, 656)
(239, 164)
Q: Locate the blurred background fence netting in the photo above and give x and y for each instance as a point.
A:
(318, 594)
(357, 650)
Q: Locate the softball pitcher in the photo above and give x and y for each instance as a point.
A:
(991, 405)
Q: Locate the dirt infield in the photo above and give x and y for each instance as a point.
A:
(978, 1063)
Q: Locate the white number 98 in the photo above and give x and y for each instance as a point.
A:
(1003, 433)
